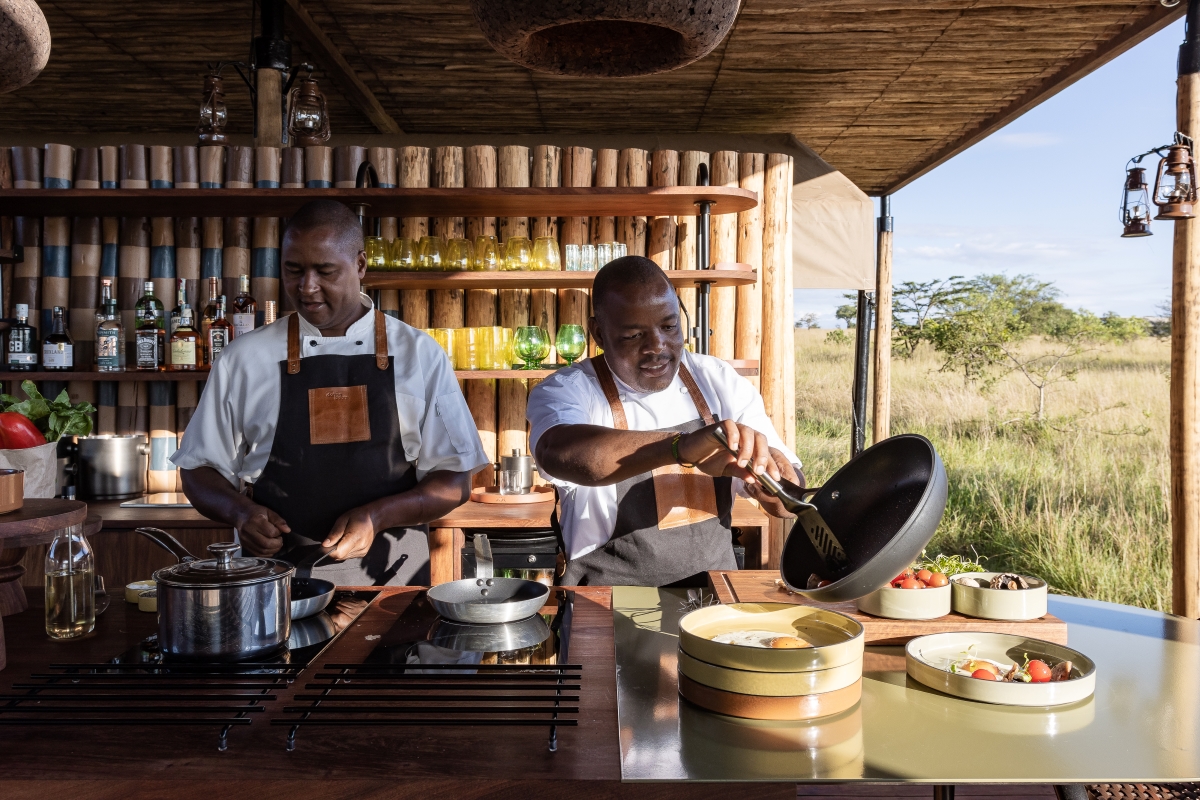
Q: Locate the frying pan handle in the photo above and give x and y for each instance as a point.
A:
(167, 542)
(483, 557)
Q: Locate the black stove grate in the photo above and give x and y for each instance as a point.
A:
(460, 694)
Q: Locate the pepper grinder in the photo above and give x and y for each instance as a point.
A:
(516, 473)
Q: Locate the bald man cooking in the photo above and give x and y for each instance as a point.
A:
(330, 437)
(645, 488)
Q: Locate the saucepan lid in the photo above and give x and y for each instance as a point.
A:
(883, 506)
(223, 570)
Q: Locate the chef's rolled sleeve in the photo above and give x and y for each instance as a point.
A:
(561, 399)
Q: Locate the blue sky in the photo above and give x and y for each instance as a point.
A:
(1040, 196)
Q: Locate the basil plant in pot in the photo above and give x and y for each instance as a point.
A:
(29, 433)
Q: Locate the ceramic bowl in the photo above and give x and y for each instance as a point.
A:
(927, 660)
(748, 706)
(890, 603)
(836, 638)
(985, 603)
(770, 684)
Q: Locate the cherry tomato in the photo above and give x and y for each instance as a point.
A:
(937, 579)
(910, 583)
(984, 675)
(924, 585)
(1039, 671)
(924, 575)
(902, 576)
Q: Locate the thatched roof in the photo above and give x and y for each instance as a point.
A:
(881, 89)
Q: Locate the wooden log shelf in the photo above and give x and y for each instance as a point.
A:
(720, 275)
(679, 201)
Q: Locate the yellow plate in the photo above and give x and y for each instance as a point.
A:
(836, 638)
(731, 704)
(770, 684)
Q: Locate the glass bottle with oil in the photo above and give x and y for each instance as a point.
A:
(70, 585)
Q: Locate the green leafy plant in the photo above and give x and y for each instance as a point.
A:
(54, 418)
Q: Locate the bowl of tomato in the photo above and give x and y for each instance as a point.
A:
(913, 594)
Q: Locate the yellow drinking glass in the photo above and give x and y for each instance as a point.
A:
(502, 344)
(486, 343)
(446, 339)
(466, 348)
(545, 254)
(403, 254)
(429, 253)
(460, 255)
(487, 254)
(376, 249)
(518, 254)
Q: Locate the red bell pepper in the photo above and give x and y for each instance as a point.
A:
(17, 432)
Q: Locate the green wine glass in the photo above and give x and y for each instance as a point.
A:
(571, 342)
(532, 345)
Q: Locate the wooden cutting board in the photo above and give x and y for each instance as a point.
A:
(759, 586)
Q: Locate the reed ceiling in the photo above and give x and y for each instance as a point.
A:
(881, 89)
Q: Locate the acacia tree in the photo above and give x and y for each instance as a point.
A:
(914, 304)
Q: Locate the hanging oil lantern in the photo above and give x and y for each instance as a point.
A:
(1135, 204)
(213, 113)
(1175, 186)
(308, 119)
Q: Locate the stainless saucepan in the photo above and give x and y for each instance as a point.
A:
(485, 599)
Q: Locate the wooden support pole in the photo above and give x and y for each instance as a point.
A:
(576, 171)
(685, 231)
(479, 172)
(776, 311)
(1185, 355)
(632, 170)
(512, 169)
(604, 229)
(447, 305)
(660, 241)
(747, 342)
(268, 117)
(882, 417)
(413, 163)
(723, 313)
(543, 303)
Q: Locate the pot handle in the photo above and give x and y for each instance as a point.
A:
(167, 542)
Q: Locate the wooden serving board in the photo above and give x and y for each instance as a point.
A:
(758, 586)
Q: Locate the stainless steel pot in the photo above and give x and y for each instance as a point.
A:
(112, 467)
(222, 608)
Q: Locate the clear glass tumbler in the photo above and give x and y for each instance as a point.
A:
(603, 254)
(571, 255)
(587, 257)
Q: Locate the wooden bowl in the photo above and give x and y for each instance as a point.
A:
(837, 639)
(1006, 604)
(12, 490)
(491, 494)
(748, 706)
(770, 684)
(891, 603)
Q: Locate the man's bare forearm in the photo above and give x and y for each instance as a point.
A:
(439, 493)
(214, 497)
(592, 455)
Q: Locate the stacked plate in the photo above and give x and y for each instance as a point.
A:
(770, 660)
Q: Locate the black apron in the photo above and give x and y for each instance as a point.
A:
(337, 447)
(673, 524)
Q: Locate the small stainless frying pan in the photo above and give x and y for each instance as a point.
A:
(485, 599)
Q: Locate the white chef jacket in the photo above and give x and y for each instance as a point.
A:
(234, 424)
(573, 397)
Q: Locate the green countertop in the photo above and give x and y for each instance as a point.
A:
(1142, 725)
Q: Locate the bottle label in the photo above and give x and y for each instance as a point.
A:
(58, 355)
(147, 348)
(22, 358)
(216, 343)
(183, 352)
(242, 323)
(108, 350)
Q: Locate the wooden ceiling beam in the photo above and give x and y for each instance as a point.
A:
(306, 31)
(1086, 64)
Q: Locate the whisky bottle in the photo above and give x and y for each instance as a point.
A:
(244, 308)
(58, 350)
(184, 349)
(22, 342)
(219, 333)
(206, 320)
(110, 340)
(149, 335)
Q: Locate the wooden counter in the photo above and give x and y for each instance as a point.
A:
(121, 559)
(428, 762)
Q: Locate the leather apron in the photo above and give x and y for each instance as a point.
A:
(672, 525)
(337, 447)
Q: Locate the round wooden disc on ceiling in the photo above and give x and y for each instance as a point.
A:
(605, 38)
(24, 43)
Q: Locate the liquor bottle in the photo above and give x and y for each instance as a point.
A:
(22, 342)
(184, 343)
(207, 317)
(105, 296)
(219, 333)
(244, 308)
(149, 336)
(70, 585)
(110, 340)
(180, 302)
(58, 350)
(270, 312)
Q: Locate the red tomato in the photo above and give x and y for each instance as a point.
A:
(937, 579)
(924, 575)
(1039, 671)
(924, 585)
(984, 675)
(910, 583)
(17, 432)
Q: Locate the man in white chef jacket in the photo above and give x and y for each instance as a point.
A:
(329, 437)
(627, 438)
